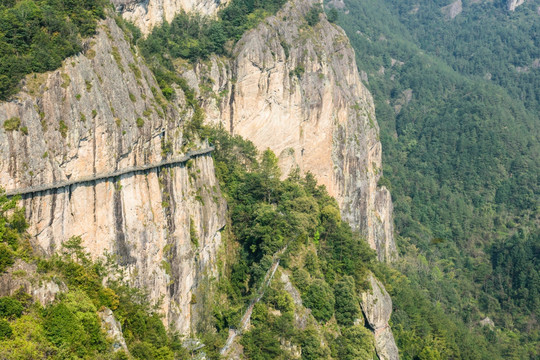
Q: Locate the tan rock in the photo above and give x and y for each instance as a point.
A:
(24, 276)
(296, 90)
(82, 120)
(377, 308)
(147, 14)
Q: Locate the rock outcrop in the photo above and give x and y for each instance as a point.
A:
(452, 10)
(377, 308)
(295, 89)
(147, 14)
(23, 276)
(113, 329)
(511, 5)
(102, 111)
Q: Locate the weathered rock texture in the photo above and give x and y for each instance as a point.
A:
(513, 4)
(147, 14)
(24, 276)
(113, 329)
(452, 10)
(101, 112)
(295, 89)
(377, 308)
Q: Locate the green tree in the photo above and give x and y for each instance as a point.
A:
(319, 297)
(347, 308)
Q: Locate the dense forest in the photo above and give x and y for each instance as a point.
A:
(37, 35)
(457, 102)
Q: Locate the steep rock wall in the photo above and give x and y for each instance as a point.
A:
(149, 13)
(513, 4)
(99, 113)
(377, 308)
(295, 89)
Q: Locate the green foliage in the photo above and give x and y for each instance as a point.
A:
(6, 256)
(319, 297)
(12, 124)
(194, 37)
(193, 233)
(313, 15)
(332, 15)
(347, 307)
(463, 159)
(36, 35)
(12, 227)
(140, 122)
(354, 343)
(5, 329)
(10, 307)
(73, 326)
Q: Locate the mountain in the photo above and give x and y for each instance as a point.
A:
(103, 120)
(456, 99)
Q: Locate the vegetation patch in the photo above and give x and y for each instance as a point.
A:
(12, 124)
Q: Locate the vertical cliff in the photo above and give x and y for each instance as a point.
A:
(295, 88)
(102, 112)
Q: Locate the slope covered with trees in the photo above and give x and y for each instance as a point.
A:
(37, 35)
(457, 101)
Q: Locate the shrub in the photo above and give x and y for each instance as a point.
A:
(5, 330)
(140, 122)
(12, 124)
(347, 309)
(6, 257)
(319, 297)
(313, 15)
(10, 307)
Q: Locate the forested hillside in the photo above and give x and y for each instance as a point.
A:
(457, 100)
(458, 103)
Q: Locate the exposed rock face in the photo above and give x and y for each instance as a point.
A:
(101, 112)
(295, 89)
(511, 5)
(113, 329)
(24, 276)
(452, 10)
(377, 308)
(149, 13)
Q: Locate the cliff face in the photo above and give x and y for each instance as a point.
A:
(100, 113)
(148, 13)
(513, 4)
(295, 89)
(377, 308)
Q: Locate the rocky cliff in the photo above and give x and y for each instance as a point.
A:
(295, 88)
(148, 13)
(511, 5)
(101, 112)
(377, 308)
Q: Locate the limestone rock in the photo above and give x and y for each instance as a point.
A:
(296, 90)
(377, 308)
(147, 14)
(452, 10)
(511, 5)
(101, 112)
(24, 276)
(113, 329)
(487, 322)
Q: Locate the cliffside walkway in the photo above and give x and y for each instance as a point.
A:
(96, 177)
(244, 322)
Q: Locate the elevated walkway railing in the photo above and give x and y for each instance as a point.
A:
(96, 177)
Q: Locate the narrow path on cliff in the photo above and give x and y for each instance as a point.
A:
(88, 179)
(233, 333)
